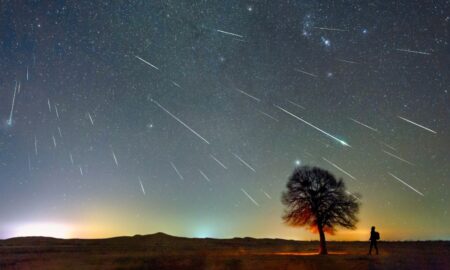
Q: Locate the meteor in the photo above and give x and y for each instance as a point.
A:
(148, 63)
(35, 146)
(339, 168)
(296, 105)
(331, 29)
(313, 126)
(81, 171)
(267, 195)
(243, 162)
(204, 175)
(142, 186)
(49, 106)
(411, 51)
(71, 158)
(399, 158)
(176, 170)
(250, 197)
(56, 111)
(54, 140)
(229, 33)
(304, 72)
(406, 184)
(90, 118)
(346, 61)
(268, 115)
(115, 158)
(364, 125)
(389, 146)
(218, 161)
(176, 84)
(12, 106)
(414, 123)
(179, 121)
(248, 95)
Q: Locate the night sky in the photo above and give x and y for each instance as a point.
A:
(188, 117)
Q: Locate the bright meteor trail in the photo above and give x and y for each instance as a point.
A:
(12, 106)
(364, 125)
(313, 126)
(250, 197)
(411, 51)
(229, 33)
(179, 121)
(148, 63)
(339, 168)
(406, 184)
(414, 123)
(243, 162)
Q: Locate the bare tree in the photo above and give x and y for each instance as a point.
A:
(316, 199)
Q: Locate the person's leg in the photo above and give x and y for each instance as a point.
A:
(370, 250)
(376, 247)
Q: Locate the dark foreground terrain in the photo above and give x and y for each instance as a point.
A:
(160, 251)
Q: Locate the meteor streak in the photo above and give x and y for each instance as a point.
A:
(148, 63)
(71, 158)
(313, 126)
(346, 61)
(406, 184)
(179, 121)
(142, 186)
(90, 118)
(268, 115)
(229, 33)
(248, 95)
(331, 29)
(296, 105)
(414, 123)
(218, 161)
(115, 158)
(399, 158)
(176, 170)
(267, 195)
(54, 140)
(411, 51)
(250, 197)
(12, 106)
(243, 162)
(56, 111)
(339, 168)
(304, 72)
(176, 84)
(35, 146)
(364, 125)
(389, 146)
(204, 175)
(49, 106)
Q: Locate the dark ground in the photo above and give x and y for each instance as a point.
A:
(160, 251)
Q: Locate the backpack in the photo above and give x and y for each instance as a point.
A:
(377, 236)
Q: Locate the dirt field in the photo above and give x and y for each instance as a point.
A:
(160, 251)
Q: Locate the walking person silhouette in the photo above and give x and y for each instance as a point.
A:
(374, 236)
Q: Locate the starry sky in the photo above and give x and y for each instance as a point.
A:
(187, 117)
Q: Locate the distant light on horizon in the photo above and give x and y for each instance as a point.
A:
(48, 229)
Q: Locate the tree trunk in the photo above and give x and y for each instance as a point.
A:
(323, 244)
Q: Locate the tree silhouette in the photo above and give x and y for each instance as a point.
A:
(316, 199)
